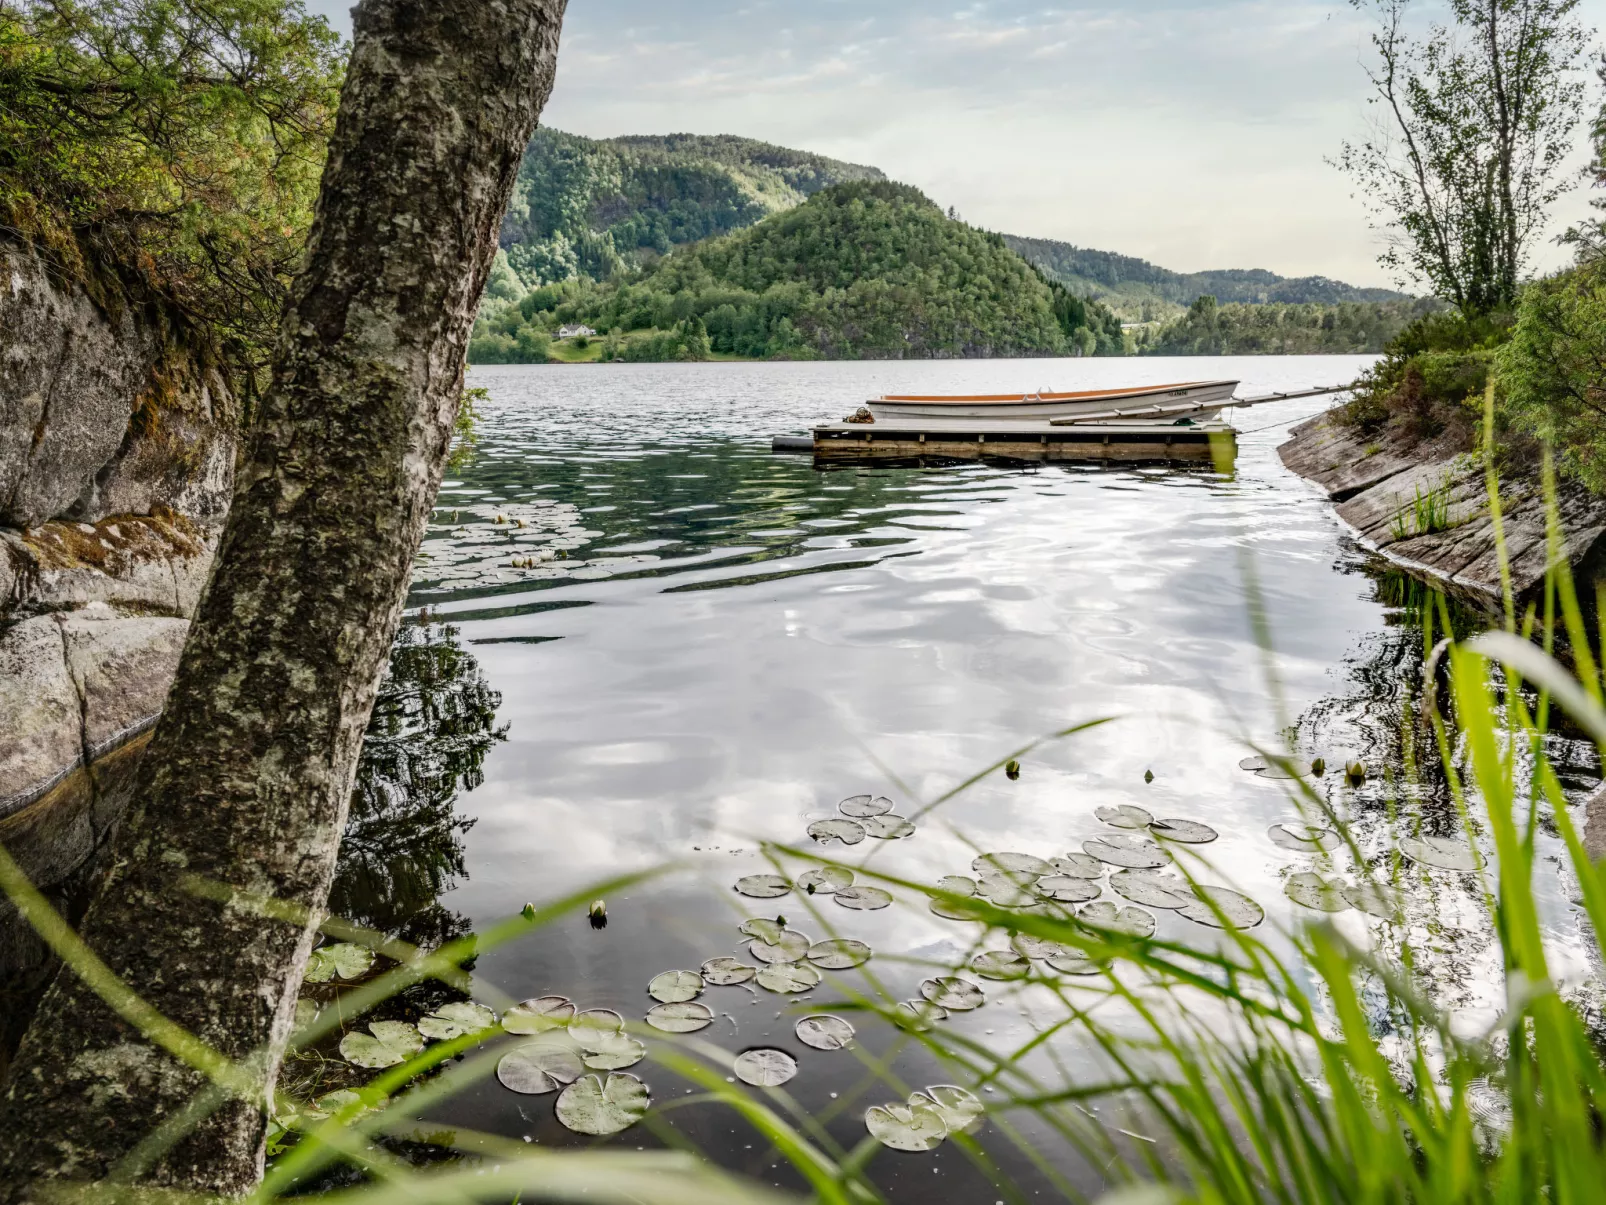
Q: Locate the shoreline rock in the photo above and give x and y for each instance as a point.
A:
(1425, 508)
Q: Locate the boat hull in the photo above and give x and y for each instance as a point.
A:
(1148, 403)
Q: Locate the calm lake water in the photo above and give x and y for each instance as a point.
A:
(700, 646)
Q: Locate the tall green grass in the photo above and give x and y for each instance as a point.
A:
(1254, 1067)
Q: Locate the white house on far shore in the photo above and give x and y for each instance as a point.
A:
(574, 329)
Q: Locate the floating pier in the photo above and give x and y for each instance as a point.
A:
(1124, 443)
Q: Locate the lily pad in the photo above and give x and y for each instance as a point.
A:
(957, 884)
(1078, 866)
(685, 1017)
(727, 972)
(454, 1020)
(1304, 838)
(839, 954)
(1189, 832)
(1152, 890)
(788, 977)
(1375, 899)
(1127, 849)
(676, 987)
(1000, 964)
(825, 880)
(962, 1111)
(765, 1067)
(388, 1044)
(917, 1016)
(590, 1106)
(1442, 853)
(906, 1129)
(595, 1025)
(824, 1031)
(955, 911)
(1253, 763)
(615, 1053)
(1133, 922)
(539, 1067)
(1073, 963)
(1312, 891)
(1012, 865)
(789, 946)
(888, 827)
(763, 886)
(764, 928)
(340, 961)
(849, 832)
(540, 1015)
(1124, 815)
(1067, 889)
(1029, 946)
(955, 994)
(863, 899)
(1006, 893)
(1240, 911)
(1279, 772)
(861, 807)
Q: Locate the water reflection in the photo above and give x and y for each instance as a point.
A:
(434, 720)
(703, 646)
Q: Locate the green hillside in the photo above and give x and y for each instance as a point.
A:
(860, 270)
(1121, 278)
(588, 207)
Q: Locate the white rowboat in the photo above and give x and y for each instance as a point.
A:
(1139, 404)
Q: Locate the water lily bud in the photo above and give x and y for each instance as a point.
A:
(527, 912)
(1148, 776)
(1318, 767)
(1012, 769)
(1356, 771)
(599, 914)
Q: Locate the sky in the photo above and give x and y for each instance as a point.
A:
(1192, 133)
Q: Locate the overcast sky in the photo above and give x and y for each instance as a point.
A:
(1192, 133)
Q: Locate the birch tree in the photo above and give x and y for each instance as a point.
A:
(1475, 121)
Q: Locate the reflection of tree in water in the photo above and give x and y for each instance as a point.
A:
(433, 723)
(1445, 930)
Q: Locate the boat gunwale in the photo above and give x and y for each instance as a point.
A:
(1033, 399)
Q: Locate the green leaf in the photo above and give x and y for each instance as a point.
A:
(590, 1106)
(388, 1044)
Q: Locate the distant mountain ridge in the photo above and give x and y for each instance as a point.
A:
(1101, 273)
(584, 206)
(593, 207)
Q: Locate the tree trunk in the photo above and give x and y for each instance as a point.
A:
(248, 775)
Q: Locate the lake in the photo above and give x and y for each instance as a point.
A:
(700, 646)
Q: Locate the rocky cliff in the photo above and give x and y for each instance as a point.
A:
(117, 442)
(1426, 509)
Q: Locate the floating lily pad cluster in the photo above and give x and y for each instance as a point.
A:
(926, 1119)
(862, 816)
(830, 880)
(566, 1042)
(1135, 860)
(391, 1043)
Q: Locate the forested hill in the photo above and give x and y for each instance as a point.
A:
(866, 269)
(583, 206)
(1104, 273)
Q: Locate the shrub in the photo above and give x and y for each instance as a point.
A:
(1553, 372)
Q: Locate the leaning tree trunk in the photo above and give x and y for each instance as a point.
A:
(247, 778)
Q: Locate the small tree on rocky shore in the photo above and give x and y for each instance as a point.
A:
(1468, 155)
(248, 776)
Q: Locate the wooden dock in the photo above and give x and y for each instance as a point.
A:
(1213, 444)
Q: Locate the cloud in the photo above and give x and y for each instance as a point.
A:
(1191, 133)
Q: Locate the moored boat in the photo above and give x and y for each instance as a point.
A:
(1139, 403)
